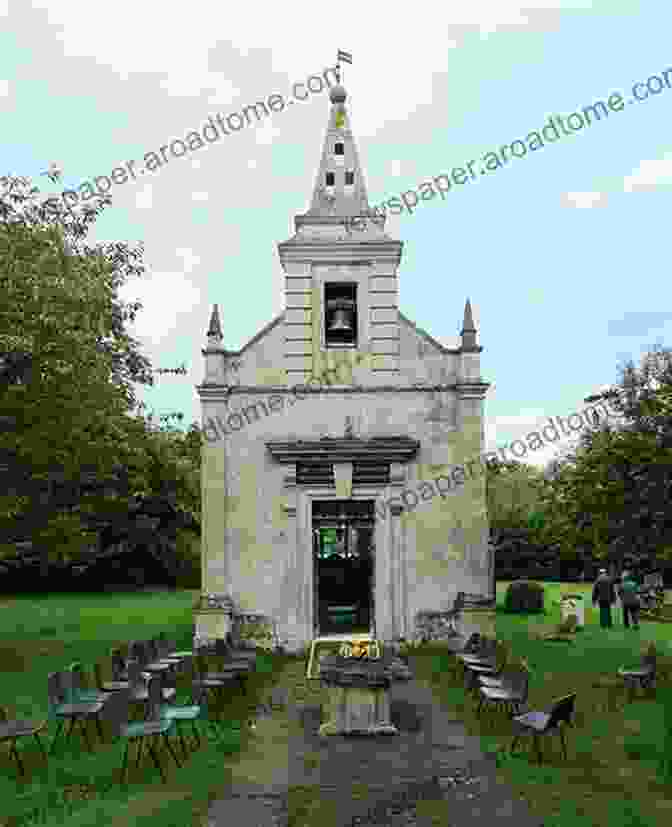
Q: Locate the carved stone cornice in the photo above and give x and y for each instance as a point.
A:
(216, 390)
(289, 481)
(393, 449)
(472, 390)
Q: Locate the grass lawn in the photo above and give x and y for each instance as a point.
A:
(42, 634)
(612, 775)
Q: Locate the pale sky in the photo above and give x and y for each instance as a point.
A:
(554, 250)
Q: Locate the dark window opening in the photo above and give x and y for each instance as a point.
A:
(349, 178)
(330, 179)
(339, 149)
(340, 314)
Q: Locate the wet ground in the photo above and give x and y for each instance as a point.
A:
(432, 773)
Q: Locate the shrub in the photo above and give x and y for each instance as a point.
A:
(524, 597)
(188, 560)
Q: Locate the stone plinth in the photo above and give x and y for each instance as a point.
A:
(359, 700)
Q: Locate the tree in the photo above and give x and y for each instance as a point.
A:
(512, 492)
(75, 454)
(612, 493)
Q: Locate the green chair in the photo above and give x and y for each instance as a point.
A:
(211, 683)
(150, 731)
(10, 730)
(107, 686)
(58, 692)
(193, 712)
(80, 690)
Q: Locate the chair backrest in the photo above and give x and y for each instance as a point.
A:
(561, 711)
(186, 666)
(78, 676)
(169, 646)
(155, 701)
(98, 675)
(137, 650)
(118, 664)
(162, 646)
(116, 710)
(519, 684)
(222, 648)
(152, 646)
(649, 662)
(473, 642)
(55, 689)
(135, 679)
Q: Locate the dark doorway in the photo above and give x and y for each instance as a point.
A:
(343, 566)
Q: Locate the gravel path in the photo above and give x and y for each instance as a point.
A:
(432, 773)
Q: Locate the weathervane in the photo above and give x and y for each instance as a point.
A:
(344, 57)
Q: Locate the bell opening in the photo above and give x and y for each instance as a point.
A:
(340, 314)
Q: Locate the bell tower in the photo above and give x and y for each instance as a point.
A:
(342, 309)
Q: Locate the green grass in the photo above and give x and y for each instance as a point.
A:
(42, 634)
(613, 773)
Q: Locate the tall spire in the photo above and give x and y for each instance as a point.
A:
(215, 329)
(339, 189)
(468, 332)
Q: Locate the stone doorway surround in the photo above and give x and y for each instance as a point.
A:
(346, 516)
(391, 615)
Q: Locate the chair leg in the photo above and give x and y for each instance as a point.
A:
(40, 745)
(538, 747)
(70, 728)
(100, 729)
(17, 757)
(155, 759)
(197, 734)
(124, 764)
(58, 732)
(85, 732)
(138, 751)
(178, 728)
(170, 748)
(564, 746)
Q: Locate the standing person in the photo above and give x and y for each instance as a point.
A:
(604, 594)
(630, 600)
(618, 608)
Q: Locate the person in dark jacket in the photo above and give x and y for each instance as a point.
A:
(604, 594)
(630, 600)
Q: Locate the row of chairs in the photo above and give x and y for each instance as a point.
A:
(160, 722)
(499, 683)
(147, 675)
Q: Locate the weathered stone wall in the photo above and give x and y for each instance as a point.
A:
(249, 534)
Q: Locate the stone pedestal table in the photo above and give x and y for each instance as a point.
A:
(359, 699)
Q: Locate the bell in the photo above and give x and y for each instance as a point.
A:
(341, 320)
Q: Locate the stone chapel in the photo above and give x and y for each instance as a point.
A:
(317, 431)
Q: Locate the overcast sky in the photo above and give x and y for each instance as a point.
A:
(564, 253)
